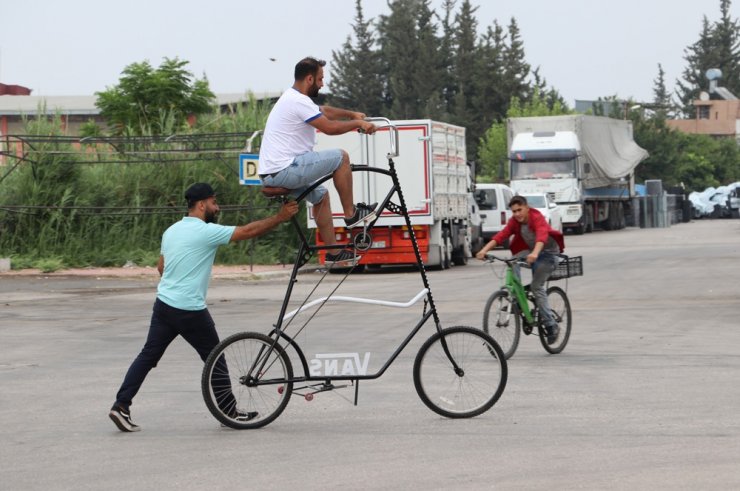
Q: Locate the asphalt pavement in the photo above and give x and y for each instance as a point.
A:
(645, 395)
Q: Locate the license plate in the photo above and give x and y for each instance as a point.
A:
(378, 245)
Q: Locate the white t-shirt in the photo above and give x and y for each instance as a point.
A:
(287, 132)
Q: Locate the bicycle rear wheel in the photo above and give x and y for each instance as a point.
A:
(560, 307)
(501, 321)
(473, 390)
(238, 394)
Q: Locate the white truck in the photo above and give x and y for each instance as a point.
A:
(436, 183)
(586, 162)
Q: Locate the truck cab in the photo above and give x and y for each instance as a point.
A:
(548, 162)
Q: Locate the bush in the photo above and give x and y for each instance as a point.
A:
(101, 204)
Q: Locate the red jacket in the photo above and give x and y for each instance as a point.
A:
(537, 224)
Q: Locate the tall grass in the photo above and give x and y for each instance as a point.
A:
(110, 213)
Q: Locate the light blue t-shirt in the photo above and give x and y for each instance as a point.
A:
(189, 247)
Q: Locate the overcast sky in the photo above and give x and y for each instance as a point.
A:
(584, 48)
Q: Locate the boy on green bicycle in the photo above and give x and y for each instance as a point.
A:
(535, 240)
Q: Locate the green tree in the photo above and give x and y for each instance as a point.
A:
(664, 150)
(447, 58)
(357, 78)
(726, 38)
(149, 100)
(464, 66)
(549, 95)
(516, 69)
(489, 100)
(661, 96)
(693, 161)
(492, 150)
(428, 65)
(399, 51)
(718, 46)
(696, 172)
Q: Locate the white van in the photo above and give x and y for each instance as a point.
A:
(493, 200)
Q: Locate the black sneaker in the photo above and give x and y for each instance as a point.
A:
(246, 416)
(242, 416)
(345, 257)
(552, 333)
(363, 213)
(122, 418)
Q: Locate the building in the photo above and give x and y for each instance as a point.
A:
(75, 110)
(718, 118)
(17, 105)
(717, 112)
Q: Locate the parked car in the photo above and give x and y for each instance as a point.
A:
(735, 201)
(547, 206)
(493, 201)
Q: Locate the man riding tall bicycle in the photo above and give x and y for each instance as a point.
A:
(535, 240)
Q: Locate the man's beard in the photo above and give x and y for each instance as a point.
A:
(313, 91)
(211, 217)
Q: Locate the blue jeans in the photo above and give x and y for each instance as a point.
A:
(306, 169)
(541, 270)
(195, 326)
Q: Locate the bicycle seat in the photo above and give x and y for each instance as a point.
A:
(274, 192)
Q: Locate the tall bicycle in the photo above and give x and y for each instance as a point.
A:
(512, 309)
(248, 379)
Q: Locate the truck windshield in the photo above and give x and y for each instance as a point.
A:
(536, 201)
(559, 169)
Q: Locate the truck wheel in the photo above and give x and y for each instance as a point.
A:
(459, 258)
(611, 222)
(447, 253)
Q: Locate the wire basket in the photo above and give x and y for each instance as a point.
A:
(569, 266)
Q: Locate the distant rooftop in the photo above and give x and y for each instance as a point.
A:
(724, 94)
(16, 105)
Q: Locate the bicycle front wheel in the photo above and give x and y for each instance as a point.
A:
(244, 381)
(560, 307)
(501, 321)
(472, 389)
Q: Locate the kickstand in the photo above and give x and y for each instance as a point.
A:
(357, 390)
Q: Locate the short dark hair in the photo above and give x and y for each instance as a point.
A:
(198, 191)
(308, 66)
(518, 200)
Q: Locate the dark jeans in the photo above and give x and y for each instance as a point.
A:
(197, 328)
(541, 269)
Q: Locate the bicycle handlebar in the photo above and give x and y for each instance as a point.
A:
(393, 134)
(490, 257)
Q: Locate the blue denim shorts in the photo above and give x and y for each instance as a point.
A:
(304, 171)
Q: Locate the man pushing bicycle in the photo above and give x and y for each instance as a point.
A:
(535, 240)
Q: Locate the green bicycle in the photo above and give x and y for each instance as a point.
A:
(512, 309)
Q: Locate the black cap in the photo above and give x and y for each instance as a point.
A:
(199, 191)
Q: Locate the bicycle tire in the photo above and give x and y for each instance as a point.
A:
(560, 307)
(240, 352)
(502, 322)
(474, 392)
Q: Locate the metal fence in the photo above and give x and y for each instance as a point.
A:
(660, 211)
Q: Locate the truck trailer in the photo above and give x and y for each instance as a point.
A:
(586, 163)
(436, 183)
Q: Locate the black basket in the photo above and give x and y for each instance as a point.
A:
(568, 266)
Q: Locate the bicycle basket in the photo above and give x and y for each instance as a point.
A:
(569, 266)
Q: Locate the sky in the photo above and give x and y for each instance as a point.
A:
(584, 48)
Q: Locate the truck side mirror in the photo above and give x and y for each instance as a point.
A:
(587, 168)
